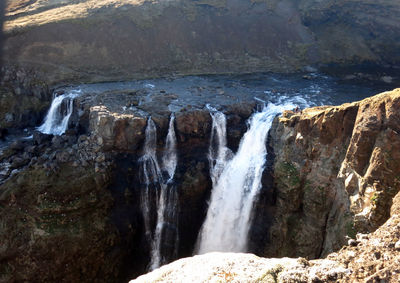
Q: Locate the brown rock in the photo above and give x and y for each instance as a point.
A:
(116, 130)
(335, 171)
(193, 123)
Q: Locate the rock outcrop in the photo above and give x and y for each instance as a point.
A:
(236, 267)
(336, 171)
(55, 214)
(24, 98)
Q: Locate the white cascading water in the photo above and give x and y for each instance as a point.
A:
(159, 196)
(236, 188)
(57, 118)
(170, 158)
(218, 153)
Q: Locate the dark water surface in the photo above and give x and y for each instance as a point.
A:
(197, 91)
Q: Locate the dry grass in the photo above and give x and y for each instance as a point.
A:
(25, 13)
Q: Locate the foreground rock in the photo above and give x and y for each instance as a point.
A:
(236, 267)
(375, 258)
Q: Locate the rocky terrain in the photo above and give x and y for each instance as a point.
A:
(73, 200)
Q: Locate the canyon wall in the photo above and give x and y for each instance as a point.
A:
(60, 42)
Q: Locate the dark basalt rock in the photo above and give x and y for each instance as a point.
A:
(40, 138)
(3, 133)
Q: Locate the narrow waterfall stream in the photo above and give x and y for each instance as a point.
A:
(159, 197)
(236, 183)
(57, 118)
(218, 153)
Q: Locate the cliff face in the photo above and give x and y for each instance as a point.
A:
(59, 42)
(336, 171)
(55, 214)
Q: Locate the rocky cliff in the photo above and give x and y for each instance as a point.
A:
(59, 42)
(336, 171)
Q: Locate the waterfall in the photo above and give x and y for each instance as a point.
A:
(170, 158)
(236, 187)
(218, 153)
(159, 197)
(57, 118)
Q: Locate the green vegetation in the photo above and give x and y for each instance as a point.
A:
(274, 272)
(350, 230)
(374, 198)
(289, 172)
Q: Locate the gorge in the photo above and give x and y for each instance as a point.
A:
(137, 133)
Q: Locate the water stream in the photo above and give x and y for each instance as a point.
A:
(57, 118)
(218, 153)
(159, 196)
